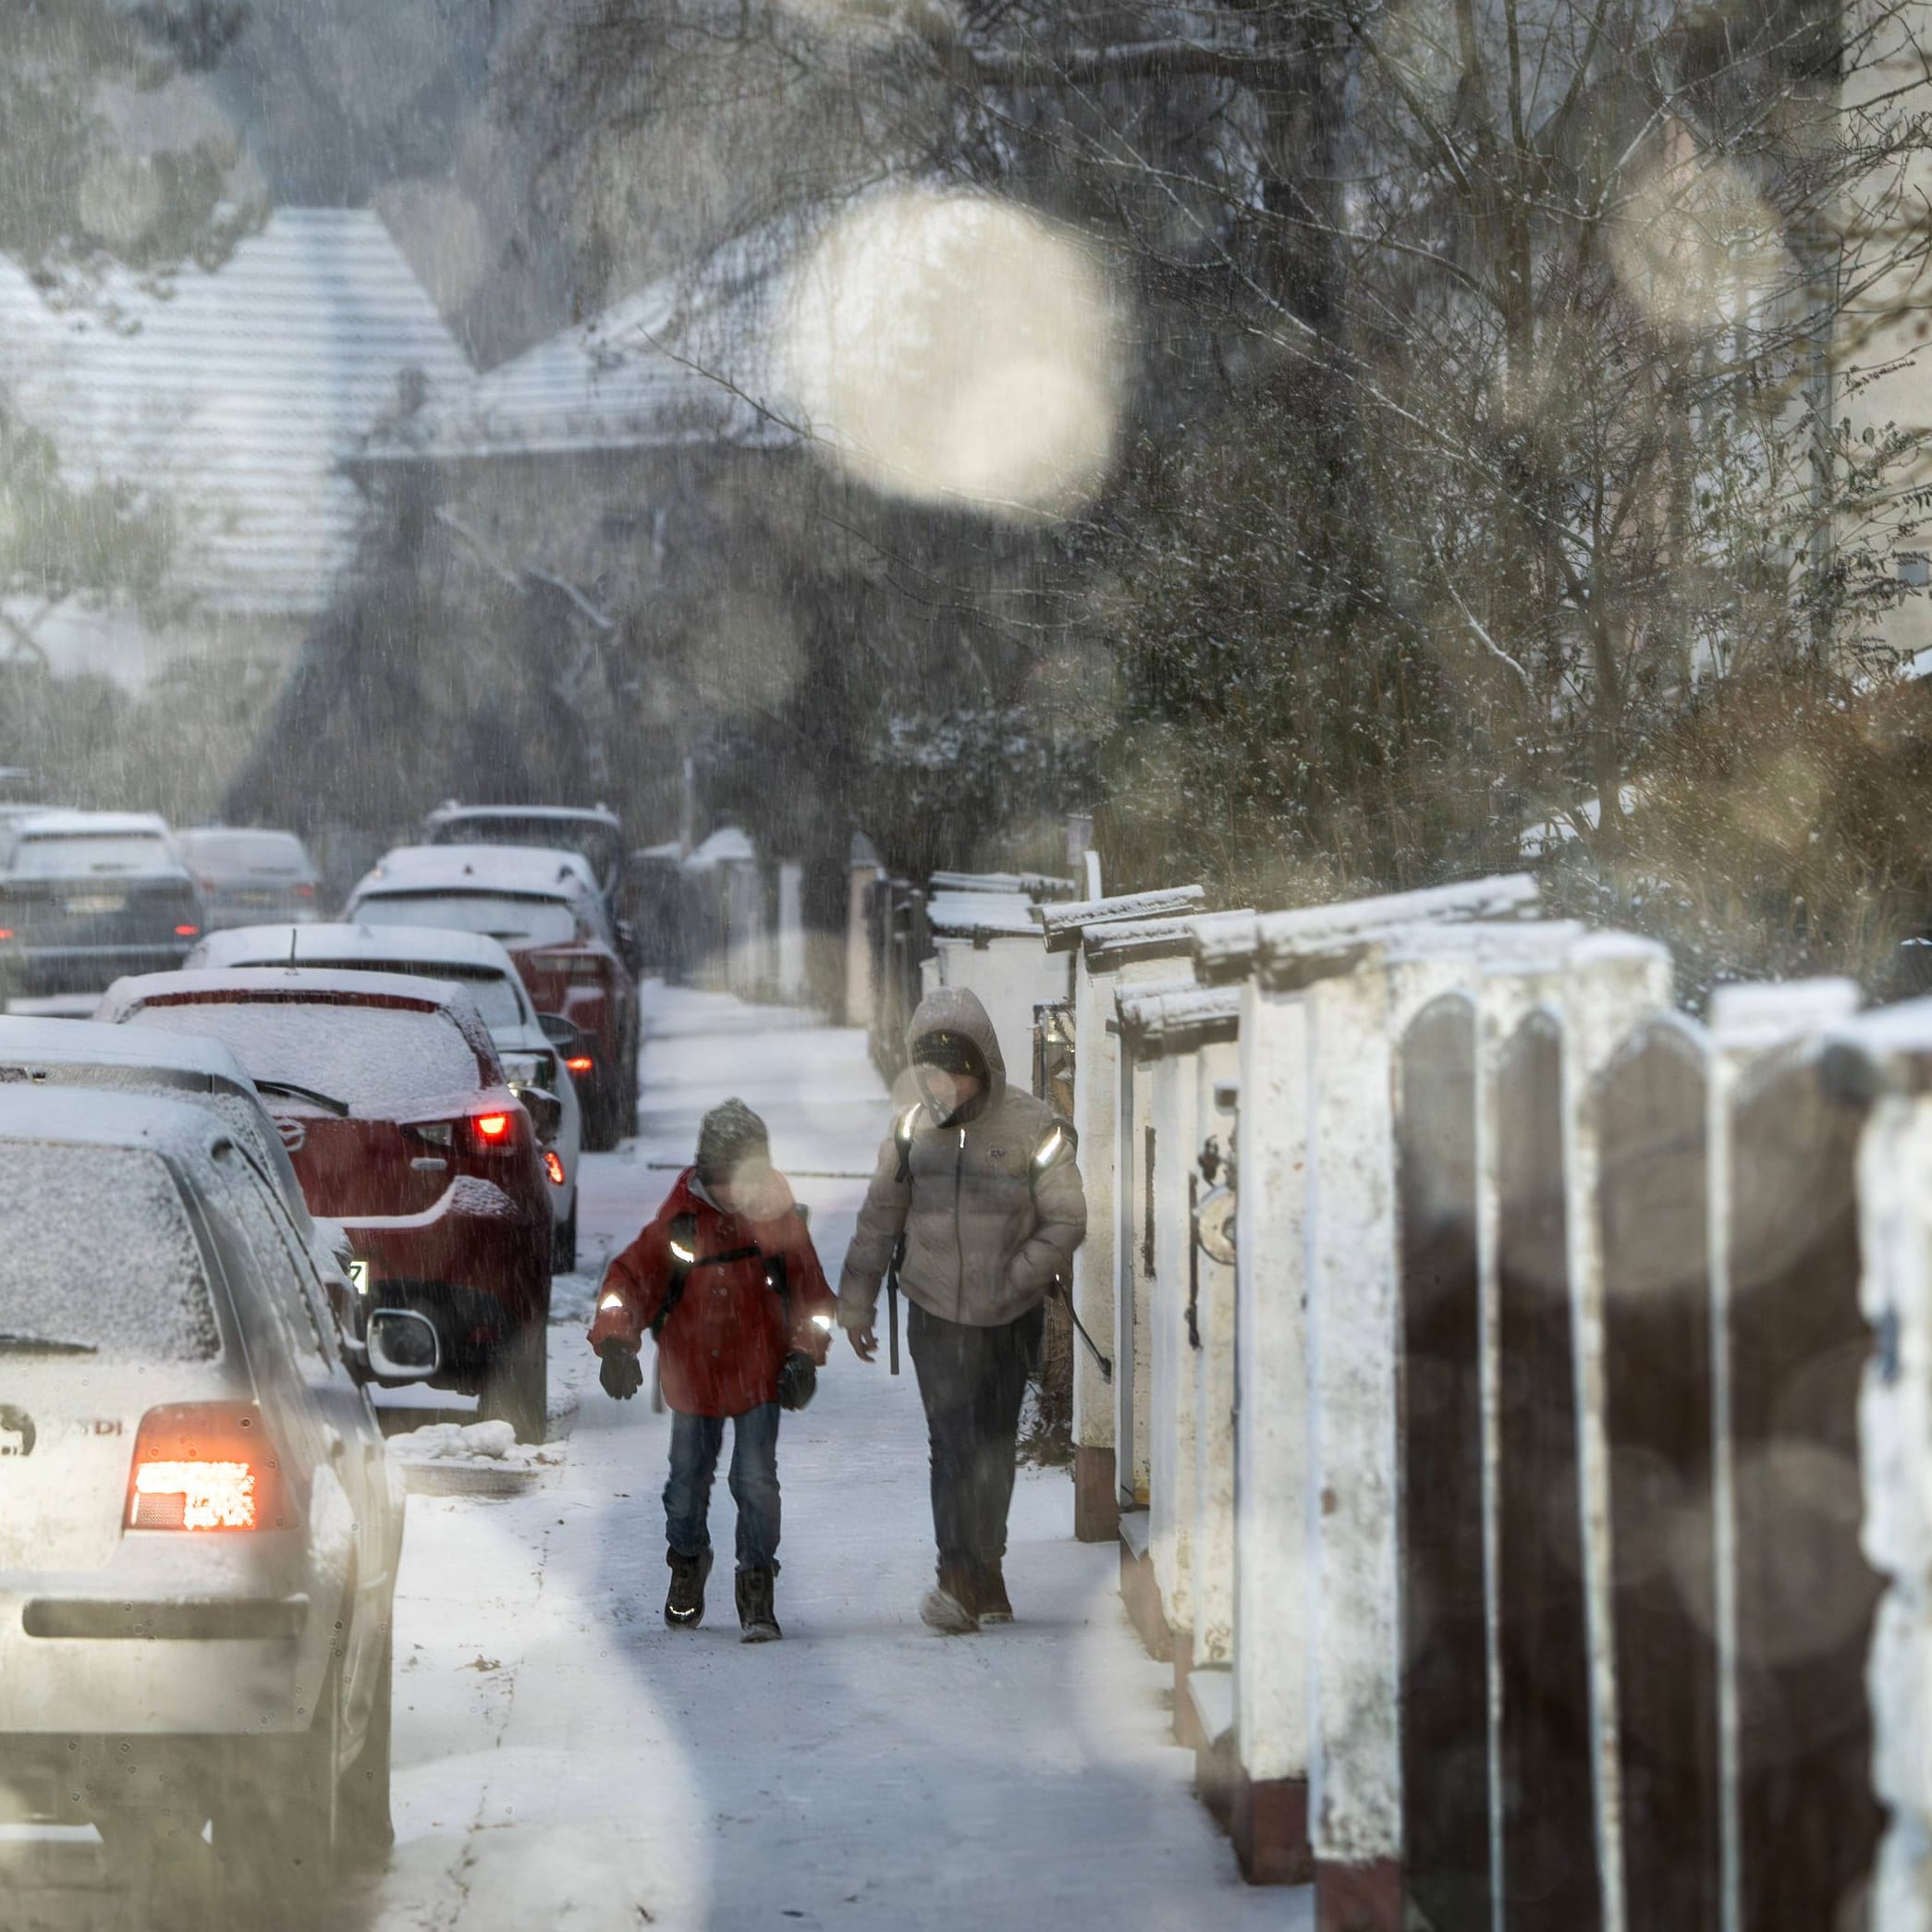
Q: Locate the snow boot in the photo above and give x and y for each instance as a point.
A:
(756, 1618)
(950, 1606)
(684, 1607)
(990, 1598)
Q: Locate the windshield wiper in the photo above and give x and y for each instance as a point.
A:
(43, 1345)
(327, 1101)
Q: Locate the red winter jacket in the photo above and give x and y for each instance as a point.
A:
(725, 1341)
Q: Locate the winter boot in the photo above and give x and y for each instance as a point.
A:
(991, 1600)
(950, 1606)
(756, 1618)
(684, 1607)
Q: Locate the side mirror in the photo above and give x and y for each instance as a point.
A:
(629, 944)
(545, 1111)
(561, 1033)
(402, 1346)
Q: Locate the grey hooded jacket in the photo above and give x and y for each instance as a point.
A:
(993, 1209)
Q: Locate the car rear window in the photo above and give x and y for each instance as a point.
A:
(515, 921)
(594, 842)
(84, 856)
(273, 855)
(495, 995)
(375, 1060)
(98, 1251)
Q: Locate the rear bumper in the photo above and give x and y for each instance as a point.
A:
(487, 1270)
(74, 1777)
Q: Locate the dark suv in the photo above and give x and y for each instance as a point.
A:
(86, 896)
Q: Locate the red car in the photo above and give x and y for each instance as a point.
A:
(546, 908)
(394, 1108)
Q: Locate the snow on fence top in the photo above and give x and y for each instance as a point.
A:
(1065, 924)
(1116, 941)
(1293, 947)
(1174, 1018)
(1031, 885)
(1745, 1017)
(953, 914)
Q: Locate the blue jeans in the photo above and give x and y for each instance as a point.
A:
(695, 1443)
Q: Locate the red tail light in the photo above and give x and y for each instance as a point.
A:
(186, 932)
(6, 932)
(554, 1165)
(581, 1063)
(305, 892)
(493, 1130)
(205, 1466)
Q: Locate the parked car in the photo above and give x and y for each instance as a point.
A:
(248, 876)
(119, 1059)
(544, 908)
(531, 1056)
(594, 832)
(86, 896)
(199, 1529)
(401, 1125)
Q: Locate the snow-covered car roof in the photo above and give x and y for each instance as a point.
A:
(523, 871)
(24, 1042)
(46, 1055)
(86, 1116)
(591, 815)
(335, 944)
(295, 984)
(64, 823)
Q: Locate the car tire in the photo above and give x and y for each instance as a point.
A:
(516, 1385)
(562, 1243)
(600, 1125)
(367, 1829)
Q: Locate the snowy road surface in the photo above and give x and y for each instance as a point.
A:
(563, 1761)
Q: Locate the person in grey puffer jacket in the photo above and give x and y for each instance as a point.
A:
(980, 1180)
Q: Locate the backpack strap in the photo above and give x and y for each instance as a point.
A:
(686, 1261)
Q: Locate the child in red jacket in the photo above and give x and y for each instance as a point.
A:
(727, 1280)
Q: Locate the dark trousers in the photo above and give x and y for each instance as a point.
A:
(695, 1443)
(971, 1381)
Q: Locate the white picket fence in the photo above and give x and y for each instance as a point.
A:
(1538, 1510)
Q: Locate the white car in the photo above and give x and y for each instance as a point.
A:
(531, 1055)
(199, 1529)
(82, 1053)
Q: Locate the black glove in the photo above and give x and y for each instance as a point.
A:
(623, 1374)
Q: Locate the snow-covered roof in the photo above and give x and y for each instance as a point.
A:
(27, 1042)
(293, 983)
(684, 359)
(951, 914)
(726, 845)
(562, 814)
(235, 393)
(64, 823)
(340, 944)
(540, 872)
(88, 1115)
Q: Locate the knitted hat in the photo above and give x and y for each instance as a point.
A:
(729, 1135)
(948, 1052)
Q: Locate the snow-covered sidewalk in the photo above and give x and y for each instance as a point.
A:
(563, 1761)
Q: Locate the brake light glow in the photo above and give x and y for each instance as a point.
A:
(6, 932)
(186, 932)
(579, 1063)
(203, 1466)
(492, 1129)
(554, 1166)
(194, 1496)
(305, 892)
